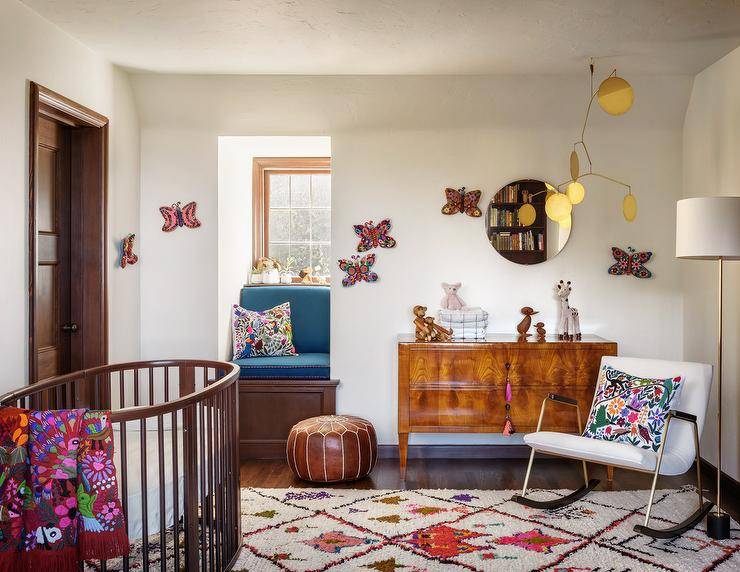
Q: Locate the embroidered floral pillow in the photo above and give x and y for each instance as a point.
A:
(267, 333)
(631, 409)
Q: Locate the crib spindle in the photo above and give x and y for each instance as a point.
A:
(162, 504)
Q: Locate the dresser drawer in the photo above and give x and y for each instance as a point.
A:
(454, 405)
(473, 366)
(572, 367)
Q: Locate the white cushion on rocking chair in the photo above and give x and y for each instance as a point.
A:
(596, 450)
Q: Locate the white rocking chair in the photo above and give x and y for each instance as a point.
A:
(678, 450)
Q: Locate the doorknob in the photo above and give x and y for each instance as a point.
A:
(70, 328)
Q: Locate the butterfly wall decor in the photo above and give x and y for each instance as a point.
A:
(372, 236)
(176, 216)
(461, 201)
(358, 269)
(630, 262)
(127, 251)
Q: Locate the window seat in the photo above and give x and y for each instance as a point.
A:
(309, 316)
(301, 366)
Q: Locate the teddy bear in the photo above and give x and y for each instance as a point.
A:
(452, 301)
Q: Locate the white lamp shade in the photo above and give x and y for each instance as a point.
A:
(708, 228)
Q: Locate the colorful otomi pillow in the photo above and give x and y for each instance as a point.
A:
(631, 409)
(267, 333)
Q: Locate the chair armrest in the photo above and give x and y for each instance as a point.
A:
(681, 415)
(561, 399)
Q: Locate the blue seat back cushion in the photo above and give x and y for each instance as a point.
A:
(309, 312)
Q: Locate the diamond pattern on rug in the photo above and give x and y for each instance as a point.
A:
(398, 514)
(310, 543)
(427, 530)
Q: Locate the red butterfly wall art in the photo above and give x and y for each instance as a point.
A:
(127, 251)
(630, 262)
(461, 201)
(358, 269)
(372, 236)
(176, 216)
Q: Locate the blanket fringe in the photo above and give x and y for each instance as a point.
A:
(9, 561)
(51, 560)
(104, 545)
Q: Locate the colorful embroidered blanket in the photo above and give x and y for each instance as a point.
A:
(58, 491)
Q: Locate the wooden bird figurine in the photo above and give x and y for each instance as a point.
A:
(540, 331)
(526, 323)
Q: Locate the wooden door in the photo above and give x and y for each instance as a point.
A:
(53, 327)
(67, 237)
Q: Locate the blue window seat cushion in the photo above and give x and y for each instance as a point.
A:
(301, 366)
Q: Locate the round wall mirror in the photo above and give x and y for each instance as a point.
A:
(517, 226)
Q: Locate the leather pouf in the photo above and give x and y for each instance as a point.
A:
(332, 448)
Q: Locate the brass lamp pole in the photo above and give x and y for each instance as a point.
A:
(708, 228)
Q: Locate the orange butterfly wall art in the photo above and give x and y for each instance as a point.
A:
(461, 201)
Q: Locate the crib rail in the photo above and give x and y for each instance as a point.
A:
(176, 426)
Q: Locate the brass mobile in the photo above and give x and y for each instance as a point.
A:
(615, 97)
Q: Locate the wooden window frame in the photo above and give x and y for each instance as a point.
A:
(261, 168)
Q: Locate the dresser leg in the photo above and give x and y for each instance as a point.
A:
(403, 449)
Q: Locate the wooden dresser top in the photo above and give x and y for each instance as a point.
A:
(501, 340)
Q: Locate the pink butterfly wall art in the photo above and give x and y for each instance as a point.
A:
(358, 269)
(372, 236)
(461, 201)
(176, 216)
(630, 263)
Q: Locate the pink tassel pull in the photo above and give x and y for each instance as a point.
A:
(509, 428)
(508, 391)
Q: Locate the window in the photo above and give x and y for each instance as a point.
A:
(292, 211)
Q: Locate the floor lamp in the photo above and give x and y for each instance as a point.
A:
(708, 228)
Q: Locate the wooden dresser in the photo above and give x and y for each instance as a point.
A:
(459, 387)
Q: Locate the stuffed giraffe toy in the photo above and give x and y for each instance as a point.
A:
(569, 327)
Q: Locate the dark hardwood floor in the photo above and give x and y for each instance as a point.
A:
(480, 474)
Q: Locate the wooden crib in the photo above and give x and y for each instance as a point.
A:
(177, 455)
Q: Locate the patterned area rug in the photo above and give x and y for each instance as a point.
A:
(415, 530)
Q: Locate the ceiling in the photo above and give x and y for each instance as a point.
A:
(328, 37)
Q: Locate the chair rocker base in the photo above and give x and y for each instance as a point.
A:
(559, 502)
(680, 528)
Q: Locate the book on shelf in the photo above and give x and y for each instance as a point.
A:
(521, 241)
(503, 217)
(510, 194)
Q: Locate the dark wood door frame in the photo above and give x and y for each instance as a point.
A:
(90, 163)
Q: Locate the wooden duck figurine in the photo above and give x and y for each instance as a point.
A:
(540, 331)
(526, 323)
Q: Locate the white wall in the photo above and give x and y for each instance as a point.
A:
(235, 155)
(711, 166)
(396, 143)
(33, 49)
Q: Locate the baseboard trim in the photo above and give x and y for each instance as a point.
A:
(729, 485)
(457, 451)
